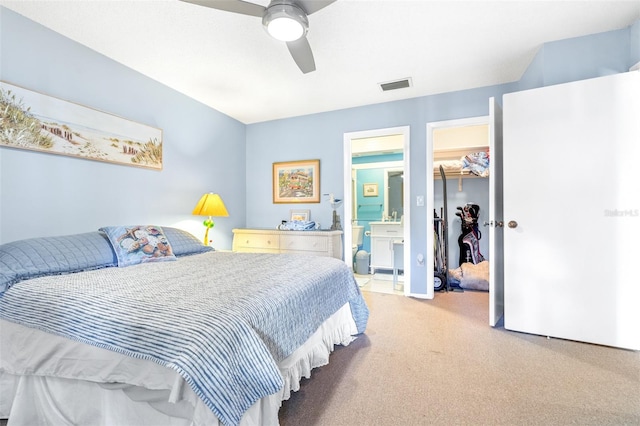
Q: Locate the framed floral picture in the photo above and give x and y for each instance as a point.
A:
(296, 182)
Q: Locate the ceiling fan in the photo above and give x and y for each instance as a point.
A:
(284, 20)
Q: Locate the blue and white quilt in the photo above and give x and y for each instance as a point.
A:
(221, 320)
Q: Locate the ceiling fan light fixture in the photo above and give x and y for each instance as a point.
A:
(285, 22)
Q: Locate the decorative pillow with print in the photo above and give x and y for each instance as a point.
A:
(139, 244)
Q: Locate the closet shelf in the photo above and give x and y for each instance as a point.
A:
(451, 159)
(453, 174)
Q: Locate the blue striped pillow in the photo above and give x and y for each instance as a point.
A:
(184, 243)
(37, 257)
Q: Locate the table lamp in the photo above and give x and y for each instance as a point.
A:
(210, 205)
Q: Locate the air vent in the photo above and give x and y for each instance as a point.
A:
(394, 85)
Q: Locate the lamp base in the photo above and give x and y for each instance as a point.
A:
(208, 224)
(336, 226)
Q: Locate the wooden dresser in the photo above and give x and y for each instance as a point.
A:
(319, 243)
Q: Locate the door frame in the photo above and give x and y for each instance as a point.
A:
(348, 193)
(496, 217)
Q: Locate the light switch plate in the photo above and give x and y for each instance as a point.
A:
(420, 200)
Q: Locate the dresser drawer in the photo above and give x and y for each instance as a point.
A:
(255, 241)
(309, 243)
(317, 243)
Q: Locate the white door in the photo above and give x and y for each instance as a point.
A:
(496, 241)
(572, 210)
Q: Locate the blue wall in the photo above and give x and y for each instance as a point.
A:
(634, 43)
(573, 59)
(205, 150)
(322, 134)
(43, 194)
(323, 137)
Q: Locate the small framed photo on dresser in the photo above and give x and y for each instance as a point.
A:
(300, 215)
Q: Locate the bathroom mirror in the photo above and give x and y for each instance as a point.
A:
(394, 197)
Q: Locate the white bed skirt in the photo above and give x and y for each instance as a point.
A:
(45, 379)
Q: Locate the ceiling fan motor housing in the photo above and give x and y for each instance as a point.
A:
(285, 21)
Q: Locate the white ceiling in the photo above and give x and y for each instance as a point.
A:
(228, 61)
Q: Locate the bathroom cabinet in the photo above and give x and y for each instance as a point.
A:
(383, 236)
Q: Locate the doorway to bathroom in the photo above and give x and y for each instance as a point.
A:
(376, 205)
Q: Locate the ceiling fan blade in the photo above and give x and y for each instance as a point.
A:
(236, 6)
(311, 6)
(301, 52)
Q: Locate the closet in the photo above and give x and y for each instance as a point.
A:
(462, 149)
(449, 142)
(452, 142)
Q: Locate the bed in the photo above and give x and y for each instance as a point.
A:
(145, 325)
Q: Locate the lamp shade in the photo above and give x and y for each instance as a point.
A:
(210, 205)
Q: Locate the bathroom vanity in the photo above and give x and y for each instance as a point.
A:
(383, 236)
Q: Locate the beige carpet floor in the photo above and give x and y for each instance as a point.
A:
(438, 362)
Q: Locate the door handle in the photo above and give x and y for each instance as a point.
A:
(512, 224)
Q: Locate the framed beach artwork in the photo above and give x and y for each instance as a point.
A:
(33, 121)
(296, 182)
(370, 189)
